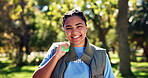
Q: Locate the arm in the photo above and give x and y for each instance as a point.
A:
(108, 69)
(46, 70)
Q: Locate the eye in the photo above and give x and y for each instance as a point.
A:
(79, 26)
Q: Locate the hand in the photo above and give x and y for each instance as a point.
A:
(59, 53)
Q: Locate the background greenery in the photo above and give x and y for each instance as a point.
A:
(29, 27)
(7, 70)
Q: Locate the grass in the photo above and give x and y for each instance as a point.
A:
(17, 72)
(8, 70)
(139, 69)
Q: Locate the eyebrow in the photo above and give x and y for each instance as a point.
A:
(78, 24)
(68, 25)
(75, 25)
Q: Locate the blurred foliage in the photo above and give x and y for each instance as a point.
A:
(33, 25)
(8, 70)
(138, 28)
(101, 19)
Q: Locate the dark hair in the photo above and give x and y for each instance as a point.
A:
(74, 12)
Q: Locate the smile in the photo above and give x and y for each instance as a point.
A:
(75, 37)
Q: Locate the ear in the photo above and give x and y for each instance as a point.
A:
(86, 28)
(63, 29)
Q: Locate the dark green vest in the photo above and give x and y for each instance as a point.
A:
(93, 56)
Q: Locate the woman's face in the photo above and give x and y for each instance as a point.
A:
(75, 29)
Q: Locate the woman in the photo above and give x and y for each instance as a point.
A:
(83, 60)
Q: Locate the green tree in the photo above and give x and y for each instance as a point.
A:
(18, 30)
(49, 22)
(138, 27)
(101, 15)
(7, 38)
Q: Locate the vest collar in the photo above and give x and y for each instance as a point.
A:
(86, 57)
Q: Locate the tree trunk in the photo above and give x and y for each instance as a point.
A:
(146, 51)
(24, 28)
(24, 37)
(124, 50)
(19, 55)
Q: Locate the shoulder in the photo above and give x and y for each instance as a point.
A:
(99, 52)
(53, 47)
(97, 48)
(56, 44)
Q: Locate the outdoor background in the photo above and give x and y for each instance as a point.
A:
(29, 27)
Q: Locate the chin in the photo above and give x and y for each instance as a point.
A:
(78, 44)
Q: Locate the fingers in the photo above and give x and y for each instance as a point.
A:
(65, 44)
(59, 50)
(59, 53)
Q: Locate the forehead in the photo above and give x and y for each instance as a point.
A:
(73, 20)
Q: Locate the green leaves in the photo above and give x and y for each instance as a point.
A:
(44, 19)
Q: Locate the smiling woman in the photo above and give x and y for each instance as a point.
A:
(75, 31)
(83, 60)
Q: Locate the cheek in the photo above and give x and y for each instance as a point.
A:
(84, 31)
(67, 34)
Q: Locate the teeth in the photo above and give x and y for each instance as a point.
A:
(75, 36)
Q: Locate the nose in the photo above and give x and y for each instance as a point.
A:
(74, 31)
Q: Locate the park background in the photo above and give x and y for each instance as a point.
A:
(29, 27)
